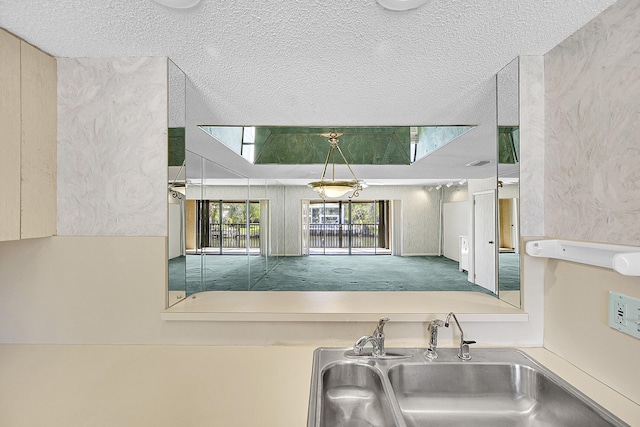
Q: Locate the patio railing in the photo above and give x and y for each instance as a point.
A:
(235, 235)
(339, 235)
(360, 236)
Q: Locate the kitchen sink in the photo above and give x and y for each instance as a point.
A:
(354, 395)
(498, 387)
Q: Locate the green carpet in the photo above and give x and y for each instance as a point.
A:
(509, 274)
(322, 273)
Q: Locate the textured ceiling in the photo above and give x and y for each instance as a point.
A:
(312, 62)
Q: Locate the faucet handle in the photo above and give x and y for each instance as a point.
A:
(435, 323)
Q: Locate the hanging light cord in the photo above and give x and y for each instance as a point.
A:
(333, 144)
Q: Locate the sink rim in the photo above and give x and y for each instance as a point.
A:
(324, 357)
(392, 354)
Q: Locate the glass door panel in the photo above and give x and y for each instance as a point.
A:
(348, 227)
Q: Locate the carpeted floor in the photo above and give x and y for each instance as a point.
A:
(322, 273)
(509, 273)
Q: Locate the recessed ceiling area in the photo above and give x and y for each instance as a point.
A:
(295, 145)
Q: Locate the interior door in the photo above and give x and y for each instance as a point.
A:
(505, 219)
(484, 242)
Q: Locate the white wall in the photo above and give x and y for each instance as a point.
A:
(456, 219)
(592, 188)
(455, 224)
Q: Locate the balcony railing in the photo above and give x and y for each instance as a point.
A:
(339, 235)
(235, 235)
(357, 236)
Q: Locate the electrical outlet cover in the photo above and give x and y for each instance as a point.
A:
(624, 314)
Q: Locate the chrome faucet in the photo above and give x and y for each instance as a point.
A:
(463, 352)
(433, 338)
(376, 339)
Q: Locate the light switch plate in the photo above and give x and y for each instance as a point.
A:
(624, 314)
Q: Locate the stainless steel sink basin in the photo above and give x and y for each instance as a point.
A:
(353, 395)
(455, 394)
(498, 387)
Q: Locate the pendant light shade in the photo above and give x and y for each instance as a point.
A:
(333, 188)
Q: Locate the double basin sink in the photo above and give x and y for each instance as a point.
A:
(498, 387)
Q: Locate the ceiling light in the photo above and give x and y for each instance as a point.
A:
(463, 182)
(401, 5)
(439, 186)
(335, 188)
(177, 4)
(449, 184)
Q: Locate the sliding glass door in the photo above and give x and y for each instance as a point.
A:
(228, 227)
(347, 227)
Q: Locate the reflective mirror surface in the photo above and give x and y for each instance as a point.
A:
(252, 234)
(509, 183)
(261, 229)
(177, 268)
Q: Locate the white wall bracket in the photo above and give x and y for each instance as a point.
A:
(623, 259)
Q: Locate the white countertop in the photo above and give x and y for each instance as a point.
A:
(155, 385)
(325, 306)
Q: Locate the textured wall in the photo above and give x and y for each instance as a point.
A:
(112, 146)
(592, 179)
(532, 144)
(592, 188)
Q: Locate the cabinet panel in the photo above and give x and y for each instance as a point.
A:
(9, 136)
(39, 138)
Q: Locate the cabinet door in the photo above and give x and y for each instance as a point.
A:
(9, 136)
(39, 138)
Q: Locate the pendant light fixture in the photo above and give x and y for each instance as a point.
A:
(333, 188)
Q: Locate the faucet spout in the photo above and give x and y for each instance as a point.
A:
(463, 352)
(376, 339)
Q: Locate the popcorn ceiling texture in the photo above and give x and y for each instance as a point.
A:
(301, 62)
